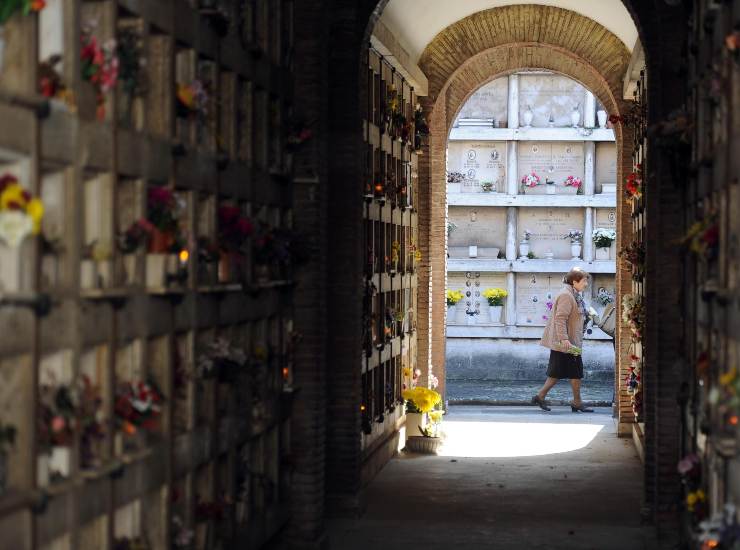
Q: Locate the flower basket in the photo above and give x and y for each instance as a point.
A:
(423, 445)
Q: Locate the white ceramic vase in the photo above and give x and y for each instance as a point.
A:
(414, 421)
(527, 117)
(601, 116)
(602, 253)
(523, 249)
(575, 117)
(495, 312)
(575, 250)
(451, 310)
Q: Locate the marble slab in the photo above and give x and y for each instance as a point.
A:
(480, 162)
(550, 95)
(490, 101)
(533, 292)
(548, 227)
(551, 161)
(483, 227)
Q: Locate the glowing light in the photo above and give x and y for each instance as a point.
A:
(184, 256)
(285, 372)
(734, 420)
(362, 408)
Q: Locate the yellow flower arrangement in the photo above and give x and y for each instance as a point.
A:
(453, 297)
(694, 498)
(422, 399)
(436, 416)
(13, 197)
(407, 372)
(728, 378)
(495, 296)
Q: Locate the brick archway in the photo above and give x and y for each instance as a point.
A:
(485, 57)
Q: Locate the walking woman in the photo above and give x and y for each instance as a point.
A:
(563, 336)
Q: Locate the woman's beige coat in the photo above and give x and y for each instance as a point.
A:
(565, 323)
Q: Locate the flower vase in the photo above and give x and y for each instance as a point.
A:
(11, 268)
(550, 189)
(527, 117)
(451, 310)
(601, 116)
(495, 312)
(129, 268)
(602, 253)
(60, 461)
(575, 250)
(414, 423)
(225, 261)
(523, 249)
(159, 242)
(42, 470)
(575, 117)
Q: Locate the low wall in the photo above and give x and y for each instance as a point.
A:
(503, 359)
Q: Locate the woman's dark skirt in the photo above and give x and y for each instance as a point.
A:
(564, 365)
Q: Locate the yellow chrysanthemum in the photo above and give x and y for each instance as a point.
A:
(35, 209)
(13, 194)
(729, 377)
(423, 399)
(436, 416)
(407, 372)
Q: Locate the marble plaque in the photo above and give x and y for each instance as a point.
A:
(533, 292)
(472, 284)
(483, 227)
(606, 164)
(480, 162)
(490, 101)
(548, 227)
(551, 161)
(606, 218)
(550, 95)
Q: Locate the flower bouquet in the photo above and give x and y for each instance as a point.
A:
(420, 402)
(221, 359)
(575, 236)
(20, 212)
(531, 180)
(453, 297)
(633, 185)
(495, 296)
(163, 210)
(138, 406)
(573, 181)
(99, 66)
(603, 238)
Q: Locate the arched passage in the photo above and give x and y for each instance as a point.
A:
(349, 25)
(597, 62)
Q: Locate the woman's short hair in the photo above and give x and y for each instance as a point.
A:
(574, 275)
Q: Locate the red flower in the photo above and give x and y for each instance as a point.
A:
(161, 196)
(38, 5)
(614, 119)
(244, 226)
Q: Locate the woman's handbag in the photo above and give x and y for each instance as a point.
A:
(607, 321)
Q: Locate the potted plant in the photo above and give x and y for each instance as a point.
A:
(7, 440)
(530, 181)
(572, 185)
(603, 239)
(453, 297)
(576, 243)
(495, 297)
(165, 240)
(487, 186)
(524, 245)
(419, 403)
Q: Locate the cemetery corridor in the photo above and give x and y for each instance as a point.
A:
(245, 243)
(508, 477)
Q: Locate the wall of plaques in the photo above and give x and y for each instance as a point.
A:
(145, 273)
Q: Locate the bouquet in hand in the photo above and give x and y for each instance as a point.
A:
(575, 350)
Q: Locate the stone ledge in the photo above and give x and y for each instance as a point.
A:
(529, 266)
(483, 133)
(602, 200)
(524, 332)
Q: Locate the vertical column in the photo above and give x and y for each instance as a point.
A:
(511, 299)
(589, 179)
(511, 219)
(513, 107)
(589, 111)
(512, 179)
(588, 243)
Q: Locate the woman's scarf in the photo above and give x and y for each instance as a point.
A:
(581, 304)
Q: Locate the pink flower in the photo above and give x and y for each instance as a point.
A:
(58, 424)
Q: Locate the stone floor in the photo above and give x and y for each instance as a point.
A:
(508, 478)
(507, 392)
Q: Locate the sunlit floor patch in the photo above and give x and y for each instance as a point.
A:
(512, 439)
